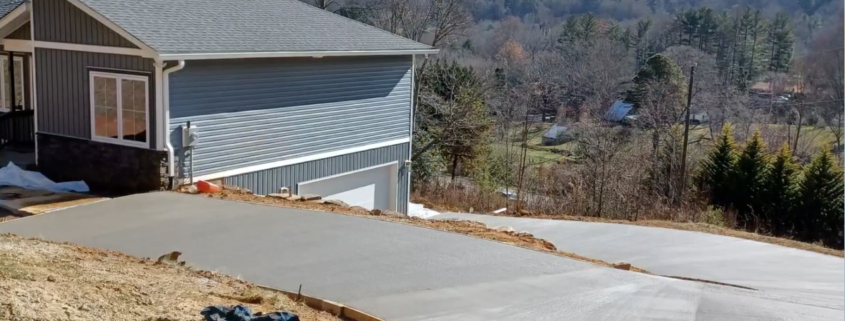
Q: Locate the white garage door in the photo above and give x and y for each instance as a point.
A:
(373, 187)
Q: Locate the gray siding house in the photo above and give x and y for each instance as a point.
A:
(265, 94)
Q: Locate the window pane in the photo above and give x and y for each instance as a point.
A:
(111, 92)
(134, 110)
(105, 106)
(140, 96)
(126, 94)
(7, 102)
(100, 121)
(19, 83)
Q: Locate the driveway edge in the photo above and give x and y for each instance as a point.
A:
(336, 309)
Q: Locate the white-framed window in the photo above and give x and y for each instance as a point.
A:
(6, 102)
(119, 108)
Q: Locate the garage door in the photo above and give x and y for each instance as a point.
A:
(370, 188)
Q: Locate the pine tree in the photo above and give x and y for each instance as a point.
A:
(781, 192)
(780, 42)
(748, 180)
(715, 170)
(820, 213)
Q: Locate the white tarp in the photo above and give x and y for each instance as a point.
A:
(12, 175)
(418, 210)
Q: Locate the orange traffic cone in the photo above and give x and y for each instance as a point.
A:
(206, 187)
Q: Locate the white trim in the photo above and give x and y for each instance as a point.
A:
(393, 163)
(159, 104)
(27, 46)
(147, 51)
(4, 86)
(285, 54)
(17, 45)
(394, 180)
(408, 169)
(309, 158)
(171, 159)
(119, 93)
(14, 15)
(32, 81)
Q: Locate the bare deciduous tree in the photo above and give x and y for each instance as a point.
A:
(599, 147)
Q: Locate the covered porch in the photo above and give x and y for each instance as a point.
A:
(17, 110)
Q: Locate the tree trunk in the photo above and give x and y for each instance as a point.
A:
(602, 179)
(798, 132)
(454, 166)
(523, 160)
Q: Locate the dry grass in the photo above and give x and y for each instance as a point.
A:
(475, 229)
(41, 280)
(677, 225)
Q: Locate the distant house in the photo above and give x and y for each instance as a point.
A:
(277, 94)
(618, 111)
(699, 117)
(555, 135)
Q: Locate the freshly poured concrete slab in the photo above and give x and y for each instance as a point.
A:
(767, 267)
(396, 271)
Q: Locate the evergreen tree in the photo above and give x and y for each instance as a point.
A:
(748, 180)
(588, 27)
(716, 168)
(657, 69)
(780, 42)
(570, 33)
(643, 50)
(781, 193)
(820, 213)
(708, 26)
(750, 54)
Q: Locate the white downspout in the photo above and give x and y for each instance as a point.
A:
(171, 159)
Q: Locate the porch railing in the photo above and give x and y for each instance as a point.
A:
(17, 129)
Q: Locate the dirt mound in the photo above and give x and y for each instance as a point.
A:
(471, 228)
(42, 280)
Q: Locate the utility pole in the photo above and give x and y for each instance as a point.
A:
(686, 135)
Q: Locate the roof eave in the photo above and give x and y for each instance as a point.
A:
(290, 54)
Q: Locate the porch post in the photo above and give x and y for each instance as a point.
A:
(12, 81)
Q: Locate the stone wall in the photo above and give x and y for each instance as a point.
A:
(107, 168)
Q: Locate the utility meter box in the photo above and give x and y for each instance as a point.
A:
(190, 136)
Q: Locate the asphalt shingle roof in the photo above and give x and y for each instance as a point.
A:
(226, 26)
(7, 6)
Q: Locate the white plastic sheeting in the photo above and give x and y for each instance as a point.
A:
(418, 210)
(12, 175)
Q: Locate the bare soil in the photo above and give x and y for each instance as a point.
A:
(475, 229)
(41, 280)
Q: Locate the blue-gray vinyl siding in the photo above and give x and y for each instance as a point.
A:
(269, 181)
(62, 89)
(257, 111)
(61, 21)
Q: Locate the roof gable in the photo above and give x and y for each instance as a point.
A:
(7, 6)
(224, 26)
(61, 21)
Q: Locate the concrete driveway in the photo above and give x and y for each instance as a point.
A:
(395, 271)
(769, 268)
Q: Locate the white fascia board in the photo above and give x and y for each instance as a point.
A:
(288, 54)
(26, 45)
(17, 45)
(14, 20)
(256, 168)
